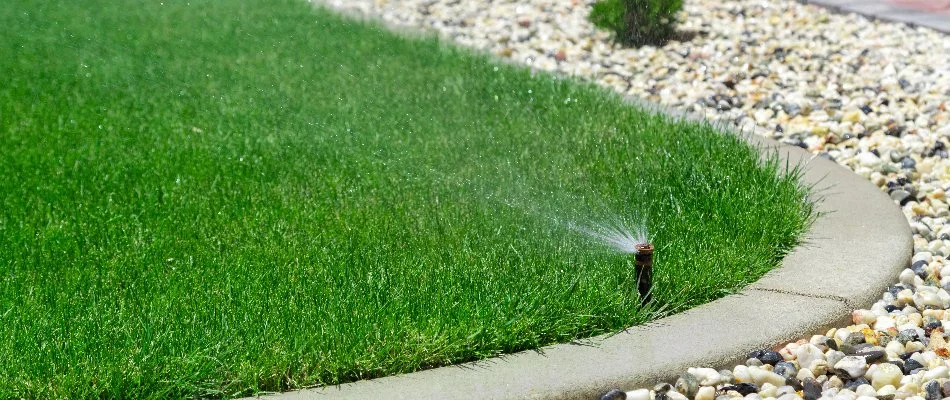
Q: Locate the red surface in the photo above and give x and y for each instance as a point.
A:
(942, 6)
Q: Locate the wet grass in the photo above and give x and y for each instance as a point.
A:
(215, 198)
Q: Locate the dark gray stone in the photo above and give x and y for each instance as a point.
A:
(831, 343)
(911, 365)
(614, 394)
(853, 385)
(907, 335)
(920, 268)
(811, 389)
(770, 357)
(945, 389)
(785, 369)
(794, 383)
(872, 356)
(901, 196)
(742, 388)
(929, 326)
(792, 109)
(847, 349)
(910, 189)
(908, 163)
(932, 389)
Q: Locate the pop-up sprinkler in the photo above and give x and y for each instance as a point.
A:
(628, 240)
(644, 270)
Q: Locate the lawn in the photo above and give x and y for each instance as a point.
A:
(215, 198)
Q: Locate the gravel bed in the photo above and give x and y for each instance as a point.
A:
(872, 96)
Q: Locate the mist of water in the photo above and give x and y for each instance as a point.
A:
(619, 236)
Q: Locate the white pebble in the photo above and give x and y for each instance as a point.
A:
(939, 372)
(906, 277)
(644, 394)
(883, 323)
(705, 376)
(804, 373)
(865, 390)
(704, 393)
(674, 395)
(741, 374)
(808, 353)
(761, 376)
(855, 366)
(868, 159)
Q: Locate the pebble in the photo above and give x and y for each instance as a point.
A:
(812, 389)
(687, 384)
(808, 353)
(761, 376)
(705, 376)
(834, 356)
(886, 374)
(785, 369)
(932, 391)
(644, 394)
(673, 395)
(704, 393)
(614, 394)
(854, 366)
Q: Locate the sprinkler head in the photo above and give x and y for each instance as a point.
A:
(645, 249)
(644, 269)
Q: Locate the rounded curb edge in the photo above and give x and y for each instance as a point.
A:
(850, 255)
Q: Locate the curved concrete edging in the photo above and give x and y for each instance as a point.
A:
(851, 254)
(907, 12)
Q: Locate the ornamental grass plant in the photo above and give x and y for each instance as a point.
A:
(638, 22)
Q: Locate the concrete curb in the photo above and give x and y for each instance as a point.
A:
(888, 11)
(852, 253)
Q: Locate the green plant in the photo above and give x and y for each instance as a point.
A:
(637, 22)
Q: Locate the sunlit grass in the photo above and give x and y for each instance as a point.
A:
(212, 198)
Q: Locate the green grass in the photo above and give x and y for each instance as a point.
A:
(212, 198)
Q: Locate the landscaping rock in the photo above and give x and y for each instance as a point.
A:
(687, 384)
(614, 394)
(854, 366)
(639, 394)
(812, 389)
(886, 374)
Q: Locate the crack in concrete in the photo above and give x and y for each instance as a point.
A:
(844, 300)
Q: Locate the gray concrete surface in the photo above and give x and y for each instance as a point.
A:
(852, 253)
(888, 11)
